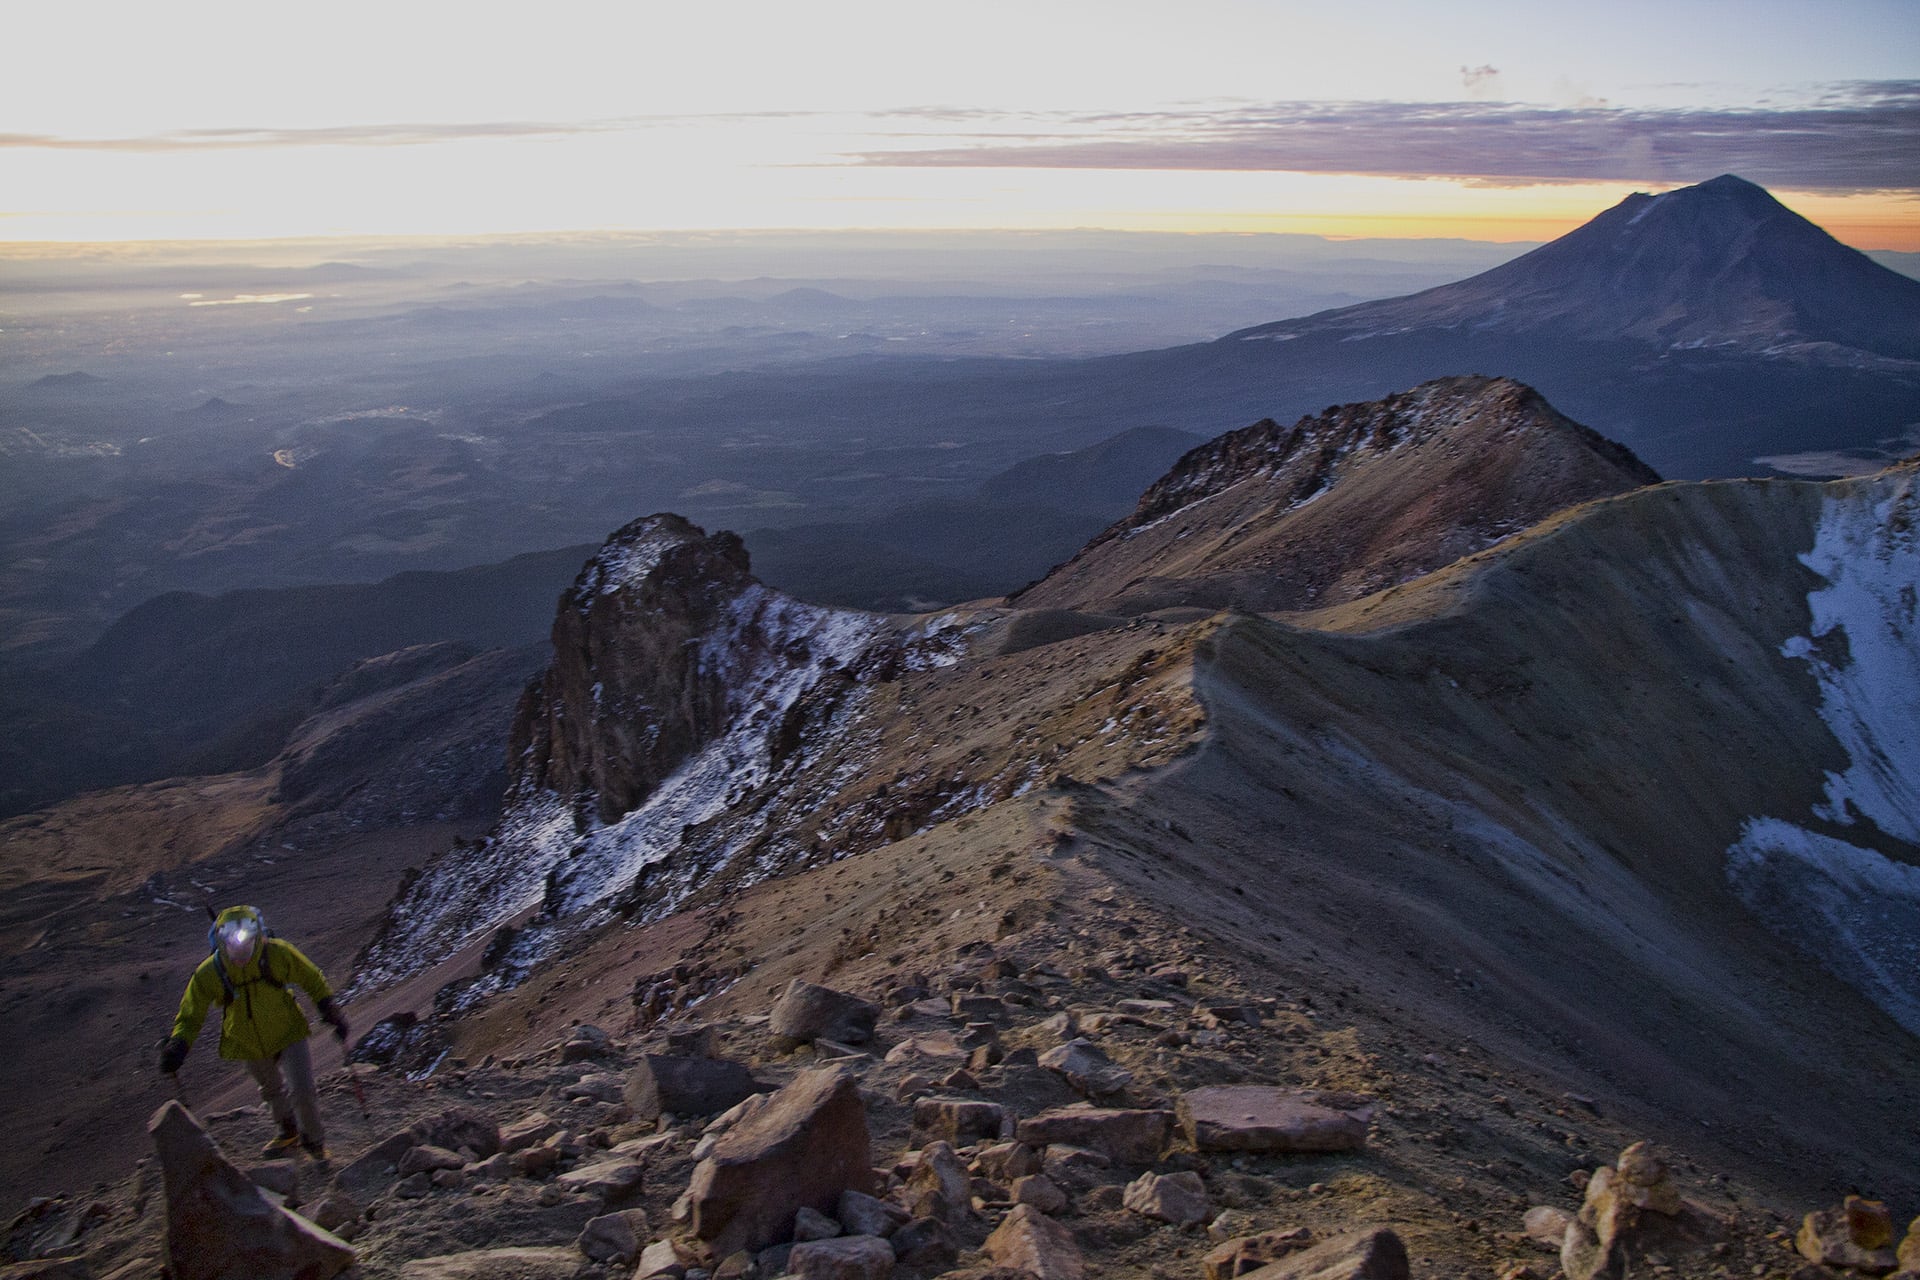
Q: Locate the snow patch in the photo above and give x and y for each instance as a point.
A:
(1854, 909)
(626, 562)
(1868, 552)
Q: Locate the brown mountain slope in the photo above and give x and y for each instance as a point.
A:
(1340, 505)
(1495, 804)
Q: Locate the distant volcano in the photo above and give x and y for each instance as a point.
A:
(1718, 265)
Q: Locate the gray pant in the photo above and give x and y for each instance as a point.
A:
(303, 1108)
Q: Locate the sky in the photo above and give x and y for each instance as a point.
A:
(1486, 119)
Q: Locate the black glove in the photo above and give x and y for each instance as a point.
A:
(172, 1054)
(335, 1019)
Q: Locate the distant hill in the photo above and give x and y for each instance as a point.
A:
(1015, 527)
(1097, 479)
(192, 683)
(57, 381)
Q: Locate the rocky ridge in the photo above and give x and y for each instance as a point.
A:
(699, 730)
(1342, 504)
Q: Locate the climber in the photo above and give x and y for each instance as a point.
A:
(247, 972)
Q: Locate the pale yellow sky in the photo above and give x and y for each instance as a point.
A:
(1486, 118)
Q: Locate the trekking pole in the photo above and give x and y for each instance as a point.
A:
(360, 1094)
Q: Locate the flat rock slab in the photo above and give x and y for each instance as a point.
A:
(499, 1264)
(1254, 1117)
(1126, 1136)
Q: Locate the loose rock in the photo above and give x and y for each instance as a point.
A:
(1179, 1198)
(1376, 1254)
(1030, 1241)
(807, 1012)
(844, 1258)
(217, 1218)
(686, 1086)
(1128, 1137)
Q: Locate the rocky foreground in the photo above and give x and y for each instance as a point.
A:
(1070, 1099)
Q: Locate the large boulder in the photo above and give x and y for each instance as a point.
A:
(1256, 1117)
(680, 1086)
(220, 1225)
(809, 1012)
(805, 1147)
(1375, 1254)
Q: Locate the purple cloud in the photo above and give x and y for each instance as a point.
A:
(1860, 137)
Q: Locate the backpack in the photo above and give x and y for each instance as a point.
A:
(219, 961)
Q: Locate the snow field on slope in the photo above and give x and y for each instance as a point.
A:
(1854, 909)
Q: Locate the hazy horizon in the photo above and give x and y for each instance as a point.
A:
(1486, 120)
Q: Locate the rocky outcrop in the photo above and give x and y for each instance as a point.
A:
(221, 1225)
(628, 696)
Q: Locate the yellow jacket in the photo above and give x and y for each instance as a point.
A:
(263, 1018)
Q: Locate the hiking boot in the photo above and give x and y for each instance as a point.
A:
(284, 1144)
(316, 1151)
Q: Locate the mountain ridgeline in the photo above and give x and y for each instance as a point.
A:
(1590, 762)
(1339, 505)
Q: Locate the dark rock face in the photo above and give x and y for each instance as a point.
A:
(627, 697)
